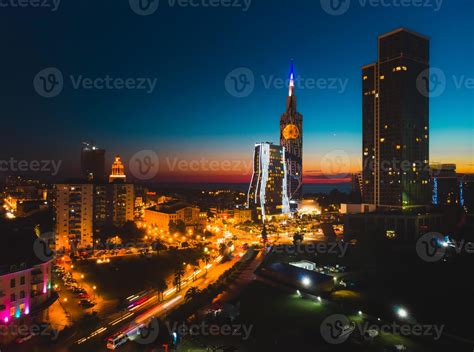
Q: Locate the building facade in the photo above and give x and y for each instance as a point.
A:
(26, 289)
(446, 188)
(92, 163)
(74, 216)
(268, 193)
(395, 115)
(398, 225)
(162, 216)
(291, 138)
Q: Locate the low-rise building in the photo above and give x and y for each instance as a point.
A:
(406, 226)
(26, 288)
(162, 216)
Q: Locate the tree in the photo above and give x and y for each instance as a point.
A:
(177, 226)
(192, 293)
(159, 246)
(222, 248)
(264, 236)
(195, 268)
(206, 258)
(161, 286)
(297, 238)
(178, 274)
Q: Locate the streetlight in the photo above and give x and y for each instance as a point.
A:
(306, 281)
(402, 313)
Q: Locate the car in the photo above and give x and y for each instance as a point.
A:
(86, 303)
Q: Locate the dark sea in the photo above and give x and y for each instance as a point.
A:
(243, 187)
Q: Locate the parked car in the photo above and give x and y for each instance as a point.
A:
(86, 303)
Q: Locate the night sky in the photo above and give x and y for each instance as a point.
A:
(190, 51)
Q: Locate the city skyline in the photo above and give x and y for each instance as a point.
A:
(167, 184)
(199, 127)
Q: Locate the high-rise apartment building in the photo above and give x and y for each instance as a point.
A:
(395, 113)
(92, 163)
(74, 216)
(268, 193)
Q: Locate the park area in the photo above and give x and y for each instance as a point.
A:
(124, 276)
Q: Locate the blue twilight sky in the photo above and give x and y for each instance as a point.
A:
(191, 50)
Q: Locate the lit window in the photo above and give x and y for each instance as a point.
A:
(364, 78)
(382, 140)
(404, 68)
(382, 77)
(398, 146)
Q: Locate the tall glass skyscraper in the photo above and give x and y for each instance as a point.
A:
(395, 114)
(267, 193)
(291, 137)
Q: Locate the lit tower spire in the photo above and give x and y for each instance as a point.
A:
(292, 80)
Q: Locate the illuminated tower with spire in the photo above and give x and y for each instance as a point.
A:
(118, 171)
(291, 137)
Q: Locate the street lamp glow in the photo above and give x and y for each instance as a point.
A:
(402, 313)
(306, 281)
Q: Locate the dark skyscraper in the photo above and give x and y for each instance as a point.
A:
(395, 114)
(92, 163)
(291, 138)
